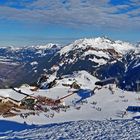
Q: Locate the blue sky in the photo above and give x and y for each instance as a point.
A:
(30, 22)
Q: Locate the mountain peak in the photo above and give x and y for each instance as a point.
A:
(99, 43)
(47, 46)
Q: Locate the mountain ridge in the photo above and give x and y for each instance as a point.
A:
(101, 57)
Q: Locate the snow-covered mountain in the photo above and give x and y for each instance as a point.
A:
(101, 57)
(100, 43)
(27, 53)
(20, 65)
(99, 51)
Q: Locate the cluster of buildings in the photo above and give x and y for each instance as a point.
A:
(14, 96)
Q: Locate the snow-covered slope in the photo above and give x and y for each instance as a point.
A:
(83, 78)
(91, 115)
(109, 102)
(78, 130)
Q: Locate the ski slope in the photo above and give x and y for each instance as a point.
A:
(101, 115)
(76, 130)
(103, 104)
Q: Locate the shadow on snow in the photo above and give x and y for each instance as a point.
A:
(13, 126)
(84, 94)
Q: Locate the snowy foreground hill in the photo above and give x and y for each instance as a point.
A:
(76, 130)
(91, 115)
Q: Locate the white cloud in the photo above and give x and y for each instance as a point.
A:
(73, 13)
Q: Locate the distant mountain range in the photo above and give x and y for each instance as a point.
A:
(101, 57)
(24, 65)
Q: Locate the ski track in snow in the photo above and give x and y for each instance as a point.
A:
(79, 130)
